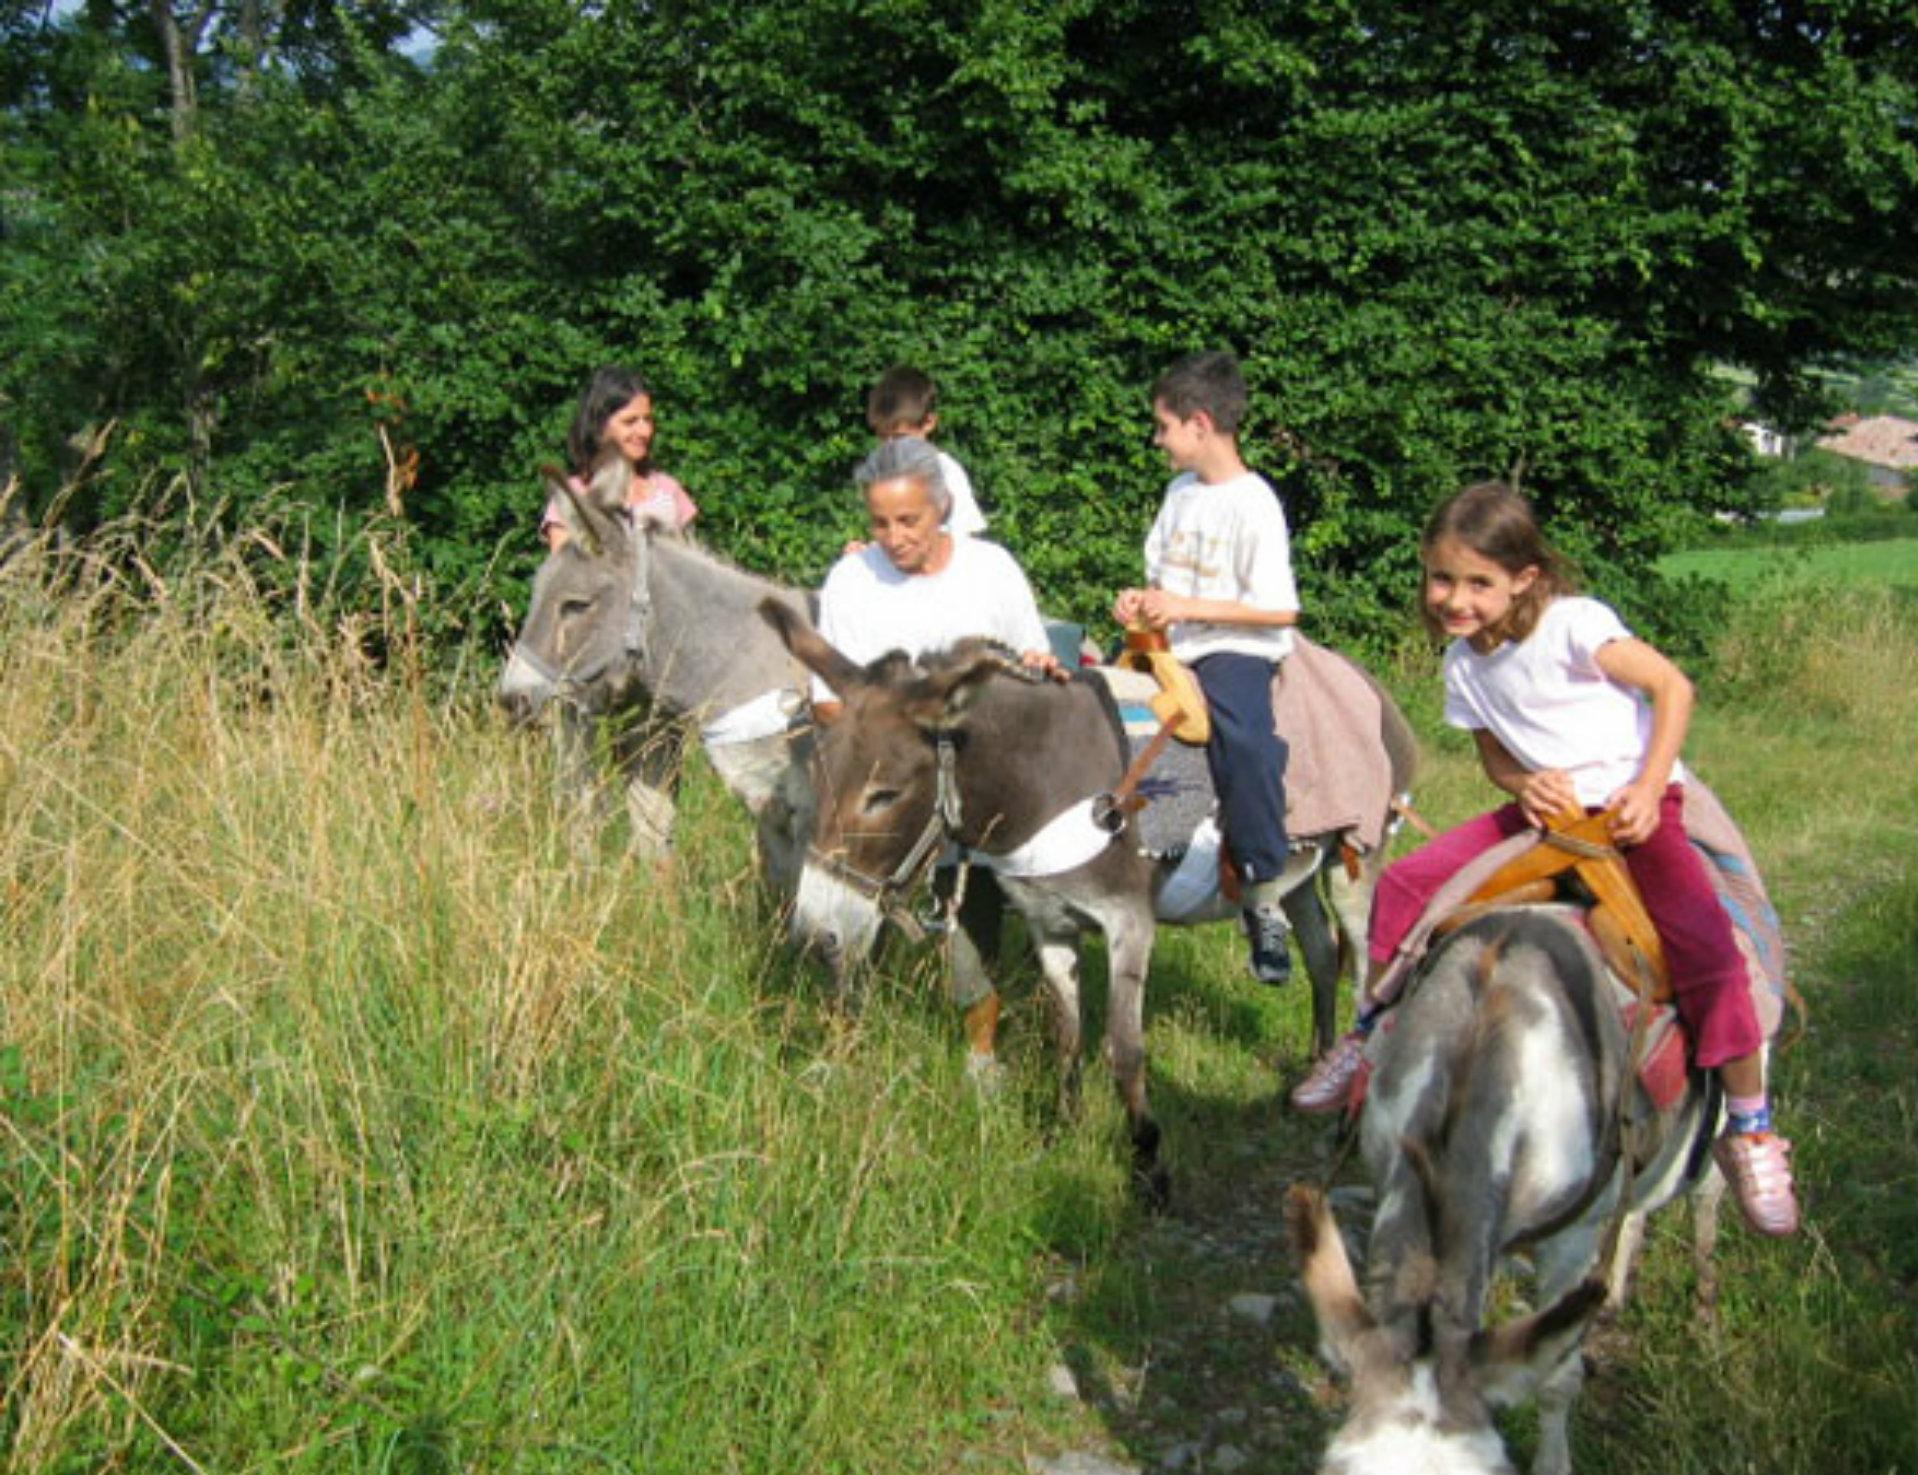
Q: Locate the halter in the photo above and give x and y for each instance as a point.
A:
(886, 892)
(639, 609)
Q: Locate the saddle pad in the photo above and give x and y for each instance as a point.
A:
(1338, 778)
(1178, 790)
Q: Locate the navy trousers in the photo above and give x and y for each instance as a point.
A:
(1247, 758)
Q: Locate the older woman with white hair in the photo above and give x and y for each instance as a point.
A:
(917, 586)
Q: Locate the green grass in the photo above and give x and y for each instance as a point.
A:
(349, 1123)
(1893, 560)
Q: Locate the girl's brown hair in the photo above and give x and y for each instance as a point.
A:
(1495, 521)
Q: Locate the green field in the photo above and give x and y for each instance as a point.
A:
(349, 1121)
(1894, 560)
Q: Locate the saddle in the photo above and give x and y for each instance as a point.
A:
(1580, 845)
(1178, 704)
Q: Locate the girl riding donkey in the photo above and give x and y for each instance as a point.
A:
(1549, 684)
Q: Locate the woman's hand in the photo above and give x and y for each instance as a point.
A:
(1546, 795)
(1634, 811)
(1045, 661)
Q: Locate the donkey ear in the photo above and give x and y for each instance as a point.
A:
(958, 686)
(810, 648)
(1510, 1361)
(610, 481)
(1319, 1251)
(583, 525)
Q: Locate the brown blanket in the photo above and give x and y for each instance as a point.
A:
(1339, 776)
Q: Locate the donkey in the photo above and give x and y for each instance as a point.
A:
(1006, 725)
(1503, 1112)
(969, 749)
(966, 748)
(628, 626)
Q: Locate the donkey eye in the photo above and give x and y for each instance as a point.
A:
(877, 799)
(572, 609)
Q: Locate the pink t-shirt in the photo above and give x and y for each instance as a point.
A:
(654, 498)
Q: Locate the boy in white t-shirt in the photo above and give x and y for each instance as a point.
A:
(905, 401)
(1219, 581)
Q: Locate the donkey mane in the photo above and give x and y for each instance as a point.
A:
(673, 548)
(935, 663)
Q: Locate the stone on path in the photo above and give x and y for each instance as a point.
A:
(1060, 1380)
(1254, 1306)
(1078, 1462)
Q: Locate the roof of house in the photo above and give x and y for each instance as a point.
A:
(1883, 440)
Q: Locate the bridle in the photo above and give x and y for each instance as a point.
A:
(633, 642)
(889, 892)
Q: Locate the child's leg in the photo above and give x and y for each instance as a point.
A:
(1404, 890)
(1410, 882)
(1712, 987)
(1247, 758)
(1712, 990)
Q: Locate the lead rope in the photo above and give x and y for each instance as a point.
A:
(1110, 811)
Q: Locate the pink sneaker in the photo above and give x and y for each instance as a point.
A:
(1329, 1084)
(1758, 1167)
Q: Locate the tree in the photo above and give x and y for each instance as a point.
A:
(1510, 241)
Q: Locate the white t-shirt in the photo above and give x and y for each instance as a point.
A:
(965, 516)
(868, 607)
(1225, 540)
(1548, 702)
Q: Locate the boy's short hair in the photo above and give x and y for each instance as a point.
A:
(1210, 381)
(903, 400)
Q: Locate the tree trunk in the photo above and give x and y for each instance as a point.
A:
(181, 43)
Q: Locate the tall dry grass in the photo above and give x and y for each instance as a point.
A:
(351, 1122)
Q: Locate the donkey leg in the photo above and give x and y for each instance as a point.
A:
(1129, 956)
(650, 755)
(1556, 1395)
(1707, 1198)
(1564, 1260)
(1059, 963)
(974, 945)
(1350, 898)
(1305, 910)
(576, 786)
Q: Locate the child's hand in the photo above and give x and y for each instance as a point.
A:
(1547, 794)
(1125, 609)
(854, 545)
(1157, 609)
(1634, 811)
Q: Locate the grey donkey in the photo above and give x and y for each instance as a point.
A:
(645, 632)
(1502, 1113)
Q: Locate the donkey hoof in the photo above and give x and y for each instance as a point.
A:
(984, 1073)
(1153, 1184)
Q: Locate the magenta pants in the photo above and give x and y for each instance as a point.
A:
(1712, 988)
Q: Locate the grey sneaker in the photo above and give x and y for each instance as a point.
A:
(1271, 942)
